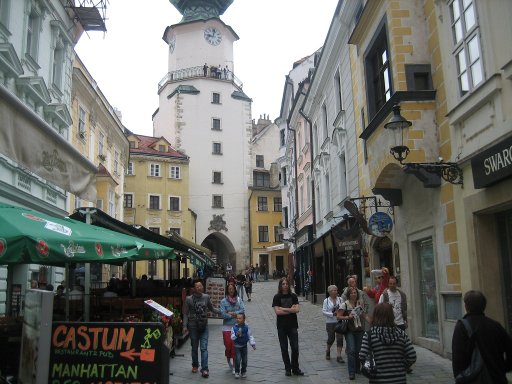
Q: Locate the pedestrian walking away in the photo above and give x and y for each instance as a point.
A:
(241, 335)
(230, 307)
(392, 349)
(330, 309)
(286, 307)
(248, 285)
(195, 320)
(240, 282)
(489, 336)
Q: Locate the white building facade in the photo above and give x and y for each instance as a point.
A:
(205, 114)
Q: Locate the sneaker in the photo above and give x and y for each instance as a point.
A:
(237, 375)
(243, 375)
(194, 369)
(233, 371)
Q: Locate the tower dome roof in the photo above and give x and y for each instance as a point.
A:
(200, 9)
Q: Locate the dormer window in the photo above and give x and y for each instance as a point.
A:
(162, 148)
(132, 144)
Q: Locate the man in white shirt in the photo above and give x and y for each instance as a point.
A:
(398, 300)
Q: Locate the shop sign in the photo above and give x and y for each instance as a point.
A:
(94, 353)
(380, 224)
(305, 237)
(350, 244)
(493, 164)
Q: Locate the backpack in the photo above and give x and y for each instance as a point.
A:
(476, 371)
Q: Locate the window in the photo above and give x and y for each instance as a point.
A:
(260, 163)
(278, 237)
(101, 140)
(111, 206)
(282, 138)
(378, 72)
(337, 90)
(261, 179)
(262, 203)
(217, 201)
(301, 199)
(99, 204)
(174, 172)
(154, 229)
(175, 230)
(81, 122)
(283, 175)
(154, 170)
(263, 233)
(215, 98)
(315, 140)
(32, 42)
(217, 177)
(217, 149)
(4, 12)
(154, 202)
(152, 264)
(58, 65)
(308, 192)
(128, 200)
(467, 44)
(116, 162)
(285, 217)
(78, 202)
(132, 144)
(215, 124)
(327, 193)
(324, 122)
(162, 148)
(174, 203)
(278, 205)
(129, 170)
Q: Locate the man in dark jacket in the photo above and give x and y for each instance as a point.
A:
(493, 340)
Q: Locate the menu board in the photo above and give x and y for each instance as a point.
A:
(101, 353)
(216, 289)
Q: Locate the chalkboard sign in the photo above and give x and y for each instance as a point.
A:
(108, 353)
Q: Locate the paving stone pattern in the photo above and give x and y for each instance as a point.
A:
(265, 364)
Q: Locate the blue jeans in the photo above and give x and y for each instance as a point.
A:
(292, 335)
(240, 291)
(354, 340)
(241, 357)
(199, 339)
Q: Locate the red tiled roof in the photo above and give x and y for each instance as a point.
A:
(146, 147)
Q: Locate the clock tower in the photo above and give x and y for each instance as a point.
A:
(204, 112)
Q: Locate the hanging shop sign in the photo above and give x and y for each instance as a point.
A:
(352, 244)
(380, 224)
(493, 164)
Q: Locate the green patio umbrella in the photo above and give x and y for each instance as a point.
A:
(28, 236)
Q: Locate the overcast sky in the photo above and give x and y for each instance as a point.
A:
(131, 58)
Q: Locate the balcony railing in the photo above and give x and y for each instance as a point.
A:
(197, 72)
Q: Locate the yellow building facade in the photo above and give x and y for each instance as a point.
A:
(157, 197)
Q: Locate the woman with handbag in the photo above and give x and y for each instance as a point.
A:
(353, 311)
(330, 309)
(389, 346)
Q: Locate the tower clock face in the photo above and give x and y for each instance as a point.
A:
(172, 44)
(212, 36)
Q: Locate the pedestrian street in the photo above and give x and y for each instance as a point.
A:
(265, 364)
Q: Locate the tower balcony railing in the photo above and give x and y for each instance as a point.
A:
(198, 72)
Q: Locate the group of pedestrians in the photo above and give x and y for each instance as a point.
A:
(380, 334)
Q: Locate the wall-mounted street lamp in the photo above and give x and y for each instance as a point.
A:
(450, 172)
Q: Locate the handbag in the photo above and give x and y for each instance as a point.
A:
(369, 368)
(476, 371)
(341, 326)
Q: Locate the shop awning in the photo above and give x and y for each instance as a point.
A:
(100, 218)
(28, 140)
(28, 236)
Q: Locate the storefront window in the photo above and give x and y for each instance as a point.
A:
(428, 289)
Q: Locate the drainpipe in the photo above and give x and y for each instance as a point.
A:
(296, 216)
(250, 227)
(311, 157)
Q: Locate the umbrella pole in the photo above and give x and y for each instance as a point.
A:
(66, 291)
(87, 276)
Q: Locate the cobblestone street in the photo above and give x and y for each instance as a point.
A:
(265, 364)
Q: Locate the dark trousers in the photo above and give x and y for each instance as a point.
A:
(292, 336)
(241, 359)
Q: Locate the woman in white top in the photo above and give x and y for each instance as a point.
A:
(329, 309)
